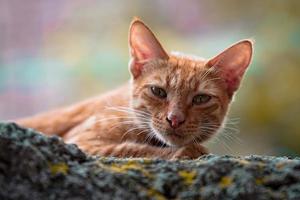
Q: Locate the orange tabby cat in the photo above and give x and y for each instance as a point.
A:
(170, 106)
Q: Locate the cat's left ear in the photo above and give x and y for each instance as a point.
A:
(144, 46)
(232, 64)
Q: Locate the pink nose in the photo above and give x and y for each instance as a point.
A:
(175, 121)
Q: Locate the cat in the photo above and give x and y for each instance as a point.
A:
(171, 105)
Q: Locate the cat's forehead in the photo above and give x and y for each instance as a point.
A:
(184, 73)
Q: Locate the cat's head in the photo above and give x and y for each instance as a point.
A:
(182, 99)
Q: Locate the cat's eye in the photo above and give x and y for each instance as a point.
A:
(201, 99)
(159, 92)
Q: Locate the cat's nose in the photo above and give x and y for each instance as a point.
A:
(175, 121)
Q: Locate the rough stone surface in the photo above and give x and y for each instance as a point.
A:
(33, 166)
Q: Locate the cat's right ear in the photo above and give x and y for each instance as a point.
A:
(143, 46)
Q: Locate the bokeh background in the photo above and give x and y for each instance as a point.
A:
(56, 52)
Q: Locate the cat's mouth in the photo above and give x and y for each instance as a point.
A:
(168, 137)
(173, 138)
(175, 134)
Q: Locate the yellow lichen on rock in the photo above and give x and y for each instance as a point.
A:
(125, 167)
(188, 176)
(56, 168)
(259, 181)
(155, 194)
(225, 181)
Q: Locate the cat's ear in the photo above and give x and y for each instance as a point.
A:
(232, 64)
(143, 46)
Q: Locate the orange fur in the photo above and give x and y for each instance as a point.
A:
(133, 121)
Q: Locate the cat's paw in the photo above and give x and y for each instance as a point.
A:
(189, 152)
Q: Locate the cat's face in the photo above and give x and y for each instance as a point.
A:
(180, 99)
(185, 90)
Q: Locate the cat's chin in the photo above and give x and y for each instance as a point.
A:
(176, 140)
(160, 136)
(171, 139)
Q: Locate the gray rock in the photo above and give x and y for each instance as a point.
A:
(33, 166)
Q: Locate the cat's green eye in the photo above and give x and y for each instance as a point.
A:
(159, 92)
(201, 99)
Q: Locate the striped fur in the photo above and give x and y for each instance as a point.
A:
(131, 121)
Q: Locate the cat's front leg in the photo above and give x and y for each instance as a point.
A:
(132, 149)
(190, 151)
(129, 149)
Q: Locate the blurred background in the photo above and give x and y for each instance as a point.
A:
(56, 52)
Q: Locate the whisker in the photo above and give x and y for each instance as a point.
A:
(148, 138)
(131, 131)
(227, 133)
(231, 137)
(129, 110)
(223, 143)
(206, 73)
(208, 80)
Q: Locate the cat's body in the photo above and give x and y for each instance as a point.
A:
(172, 104)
